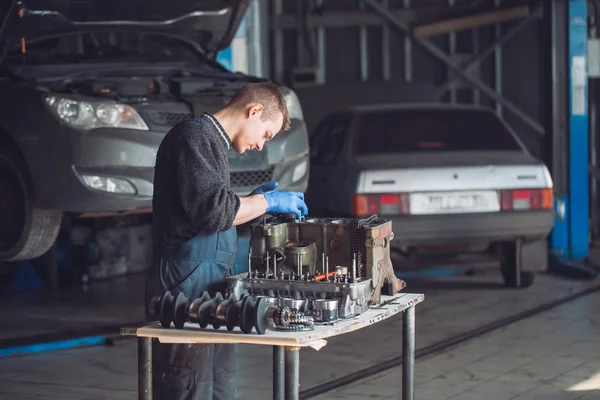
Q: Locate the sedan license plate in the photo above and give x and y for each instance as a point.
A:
(454, 202)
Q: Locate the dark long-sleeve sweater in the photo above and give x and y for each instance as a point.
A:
(191, 181)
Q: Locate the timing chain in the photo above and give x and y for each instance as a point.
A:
(358, 239)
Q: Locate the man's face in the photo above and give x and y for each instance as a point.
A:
(255, 132)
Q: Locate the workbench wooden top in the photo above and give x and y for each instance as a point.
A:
(193, 334)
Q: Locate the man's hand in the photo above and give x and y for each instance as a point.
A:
(286, 202)
(267, 187)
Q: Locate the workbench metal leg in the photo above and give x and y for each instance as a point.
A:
(408, 353)
(292, 373)
(278, 373)
(145, 368)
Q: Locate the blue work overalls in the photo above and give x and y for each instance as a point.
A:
(194, 372)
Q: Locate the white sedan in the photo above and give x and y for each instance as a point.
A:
(451, 178)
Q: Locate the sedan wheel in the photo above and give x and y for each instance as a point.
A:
(507, 255)
(26, 232)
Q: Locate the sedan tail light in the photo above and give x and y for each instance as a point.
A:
(527, 199)
(399, 203)
(384, 204)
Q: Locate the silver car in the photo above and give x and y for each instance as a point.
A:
(452, 179)
(89, 90)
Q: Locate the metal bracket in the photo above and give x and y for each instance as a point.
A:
(442, 56)
(479, 58)
(488, 17)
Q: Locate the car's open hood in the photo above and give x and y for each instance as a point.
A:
(210, 23)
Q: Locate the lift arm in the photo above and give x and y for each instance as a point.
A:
(568, 135)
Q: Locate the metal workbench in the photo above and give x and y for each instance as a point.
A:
(286, 345)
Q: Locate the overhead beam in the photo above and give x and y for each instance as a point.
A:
(471, 21)
(340, 19)
(479, 58)
(354, 18)
(442, 56)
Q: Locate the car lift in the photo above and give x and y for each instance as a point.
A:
(567, 35)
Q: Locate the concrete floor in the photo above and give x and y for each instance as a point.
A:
(541, 356)
(551, 356)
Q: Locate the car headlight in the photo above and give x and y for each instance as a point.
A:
(293, 104)
(87, 115)
(108, 184)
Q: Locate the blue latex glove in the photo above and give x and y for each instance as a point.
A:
(267, 187)
(286, 202)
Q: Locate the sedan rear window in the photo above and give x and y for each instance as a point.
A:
(410, 131)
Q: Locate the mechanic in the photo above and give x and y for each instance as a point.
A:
(195, 215)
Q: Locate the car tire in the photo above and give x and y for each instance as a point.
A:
(26, 232)
(507, 255)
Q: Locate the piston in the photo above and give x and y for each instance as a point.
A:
(294, 304)
(340, 270)
(325, 310)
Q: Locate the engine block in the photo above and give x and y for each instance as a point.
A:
(342, 259)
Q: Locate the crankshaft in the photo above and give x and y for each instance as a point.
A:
(248, 313)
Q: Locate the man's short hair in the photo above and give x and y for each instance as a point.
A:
(268, 94)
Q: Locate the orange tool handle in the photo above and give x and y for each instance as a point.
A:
(322, 276)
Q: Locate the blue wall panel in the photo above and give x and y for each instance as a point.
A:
(225, 56)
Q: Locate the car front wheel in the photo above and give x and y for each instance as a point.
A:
(26, 232)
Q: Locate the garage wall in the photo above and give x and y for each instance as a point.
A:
(522, 82)
(521, 59)
(318, 100)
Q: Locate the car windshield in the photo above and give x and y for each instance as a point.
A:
(105, 47)
(431, 131)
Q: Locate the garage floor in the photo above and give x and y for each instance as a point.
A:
(549, 355)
